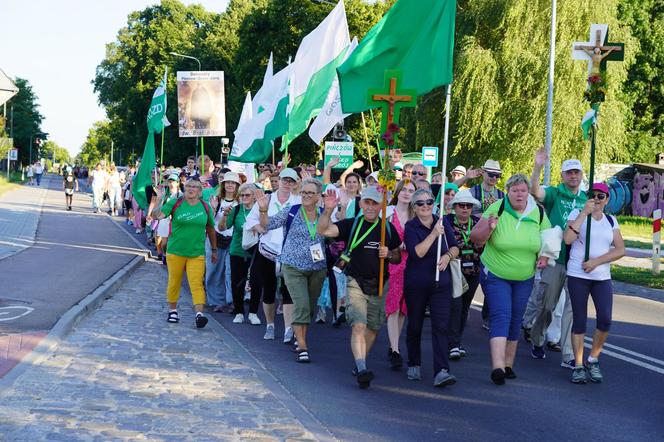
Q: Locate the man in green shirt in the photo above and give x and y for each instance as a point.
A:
(558, 202)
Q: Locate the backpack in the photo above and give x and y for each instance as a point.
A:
(178, 203)
(501, 209)
(568, 247)
(477, 194)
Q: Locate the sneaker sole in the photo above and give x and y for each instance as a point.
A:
(445, 383)
(455, 357)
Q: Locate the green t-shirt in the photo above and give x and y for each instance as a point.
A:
(209, 192)
(559, 202)
(511, 252)
(237, 223)
(188, 223)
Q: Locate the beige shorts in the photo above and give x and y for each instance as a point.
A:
(364, 309)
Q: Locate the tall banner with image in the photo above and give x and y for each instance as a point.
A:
(201, 104)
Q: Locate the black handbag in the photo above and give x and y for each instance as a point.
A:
(223, 241)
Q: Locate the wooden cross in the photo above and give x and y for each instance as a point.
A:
(391, 102)
(607, 52)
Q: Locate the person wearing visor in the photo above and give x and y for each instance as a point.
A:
(591, 277)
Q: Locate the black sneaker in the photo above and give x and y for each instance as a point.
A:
(498, 376)
(509, 373)
(537, 352)
(364, 379)
(396, 361)
(201, 320)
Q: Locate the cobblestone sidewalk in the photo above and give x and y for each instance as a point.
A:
(126, 374)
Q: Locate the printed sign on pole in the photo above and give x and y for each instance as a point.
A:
(201, 104)
(13, 154)
(341, 149)
(430, 156)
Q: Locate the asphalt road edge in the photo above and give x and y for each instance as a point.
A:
(301, 413)
(69, 321)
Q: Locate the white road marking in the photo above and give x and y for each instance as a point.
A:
(607, 350)
(3, 314)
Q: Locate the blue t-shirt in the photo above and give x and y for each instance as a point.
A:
(422, 271)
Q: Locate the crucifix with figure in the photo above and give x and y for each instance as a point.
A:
(391, 103)
(598, 52)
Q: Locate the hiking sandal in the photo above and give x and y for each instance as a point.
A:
(173, 317)
(303, 356)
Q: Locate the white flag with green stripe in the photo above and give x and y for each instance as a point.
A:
(588, 120)
(314, 68)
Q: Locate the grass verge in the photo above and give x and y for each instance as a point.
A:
(14, 181)
(636, 228)
(637, 276)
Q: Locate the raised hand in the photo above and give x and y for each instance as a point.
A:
(473, 173)
(330, 199)
(343, 197)
(493, 222)
(541, 157)
(261, 199)
(333, 162)
(357, 164)
(214, 202)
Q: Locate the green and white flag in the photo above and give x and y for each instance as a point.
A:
(157, 114)
(314, 68)
(143, 177)
(258, 103)
(588, 120)
(253, 140)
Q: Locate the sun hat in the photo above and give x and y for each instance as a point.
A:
(232, 176)
(464, 196)
(492, 166)
(374, 176)
(602, 188)
(173, 177)
(572, 164)
(289, 173)
(372, 193)
(459, 169)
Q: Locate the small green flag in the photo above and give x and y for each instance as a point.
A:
(157, 114)
(143, 177)
(588, 120)
(414, 36)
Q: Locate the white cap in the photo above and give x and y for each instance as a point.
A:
(289, 173)
(572, 164)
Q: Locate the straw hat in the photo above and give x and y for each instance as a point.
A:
(464, 196)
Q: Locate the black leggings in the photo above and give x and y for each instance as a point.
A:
(239, 270)
(602, 294)
(263, 281)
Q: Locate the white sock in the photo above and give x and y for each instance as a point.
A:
(270, 324)
(199, 314)
(173, 310)
(592, 360)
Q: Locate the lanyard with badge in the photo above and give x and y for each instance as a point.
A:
(344, 258)
(316, 250)
(466, 241)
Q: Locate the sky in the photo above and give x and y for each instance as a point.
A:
(56, 45)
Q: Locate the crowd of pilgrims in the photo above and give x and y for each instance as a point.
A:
(306, 240)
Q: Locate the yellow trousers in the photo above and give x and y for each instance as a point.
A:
(195, 268)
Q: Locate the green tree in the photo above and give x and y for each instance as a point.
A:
(97, 144)
(27, 120)
(55, 152)
(644, 88)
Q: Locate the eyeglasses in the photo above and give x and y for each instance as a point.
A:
(421, 203)
(246, 195)
(308, 193)
(599, 196)
(418, 173)
(465, 205)
(288, 180)
(494, 174)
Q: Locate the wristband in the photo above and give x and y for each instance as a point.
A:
(262, 211)
(213, 250)
(572, 229)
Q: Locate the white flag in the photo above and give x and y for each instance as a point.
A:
(258, 105)
(331, 113)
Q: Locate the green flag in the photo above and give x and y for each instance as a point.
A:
(143, 177)
(587, 122)
(157, 113)
(414, 36)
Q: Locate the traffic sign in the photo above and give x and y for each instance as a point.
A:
(430, 156)
(13, 155)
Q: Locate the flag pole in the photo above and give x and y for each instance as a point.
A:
(161, 157)
(593, 132)
(366, 139)
(203, 171)
(441, 210)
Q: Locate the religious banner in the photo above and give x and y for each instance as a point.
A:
(201, 104)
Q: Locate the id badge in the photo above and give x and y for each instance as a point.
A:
(467, 264)
(317, 254)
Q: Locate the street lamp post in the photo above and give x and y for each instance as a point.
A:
(176, 54)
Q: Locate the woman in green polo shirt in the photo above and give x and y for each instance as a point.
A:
(191, 221)
(511, 228)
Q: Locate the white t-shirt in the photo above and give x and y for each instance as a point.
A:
(99, 178)
(601, 241)
(39, 169)
(114, 179)
(222, 205)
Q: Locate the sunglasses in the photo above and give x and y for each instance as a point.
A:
(288, 180)
(418, 173)
(465, 205)
(421, 203)
(599, 196)
(246, 195)
(494, 175)
(307, 193)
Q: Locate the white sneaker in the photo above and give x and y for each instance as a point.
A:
(288, 335)
(269, 333)
(254, 319)
(239, 319)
